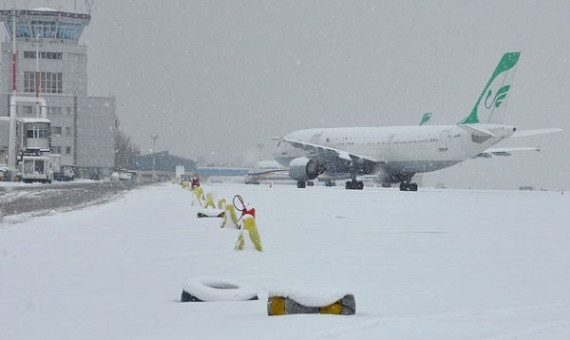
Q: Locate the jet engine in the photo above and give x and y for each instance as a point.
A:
(303, 169)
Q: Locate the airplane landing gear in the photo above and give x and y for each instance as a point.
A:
(354, 185)
(406, 183)
(304, 184)
(407, 186)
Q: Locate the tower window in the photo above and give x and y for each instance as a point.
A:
(43, 29)
(67, 31)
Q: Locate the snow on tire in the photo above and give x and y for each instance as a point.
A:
(209, 289)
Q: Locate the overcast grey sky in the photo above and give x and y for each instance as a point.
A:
(215, 78)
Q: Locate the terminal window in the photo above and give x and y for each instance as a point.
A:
(55, 110)
(50, 82)
(43, 55)
(28, 109)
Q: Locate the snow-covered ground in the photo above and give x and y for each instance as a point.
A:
(436, 264)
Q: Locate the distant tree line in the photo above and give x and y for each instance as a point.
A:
(126, 151)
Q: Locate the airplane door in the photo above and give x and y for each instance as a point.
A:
(443, 141)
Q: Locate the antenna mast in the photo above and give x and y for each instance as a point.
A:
(89, 3)
(14, 54)
(37, 76)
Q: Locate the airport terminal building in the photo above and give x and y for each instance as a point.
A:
(51, 63)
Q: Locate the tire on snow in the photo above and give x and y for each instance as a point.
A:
(213, 290)
(280, 304)
(211, 212)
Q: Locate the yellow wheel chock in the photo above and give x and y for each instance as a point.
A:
(248, 225)
(210, 201)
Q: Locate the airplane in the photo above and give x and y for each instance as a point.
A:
(328, 177)
(267, 171)
(397, 153)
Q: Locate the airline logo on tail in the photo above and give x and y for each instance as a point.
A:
(491, 105)
(501, 94)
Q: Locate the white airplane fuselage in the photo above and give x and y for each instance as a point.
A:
(409, 149)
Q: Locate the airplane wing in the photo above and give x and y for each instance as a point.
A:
(504, 151)
(337, 160)
(526, 133)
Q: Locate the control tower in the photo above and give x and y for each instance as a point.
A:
(42, 57)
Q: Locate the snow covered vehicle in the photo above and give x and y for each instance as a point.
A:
(36, 165)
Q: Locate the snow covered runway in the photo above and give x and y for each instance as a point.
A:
(426, 265)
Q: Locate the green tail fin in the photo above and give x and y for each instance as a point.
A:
(425, 118)
(491, 105)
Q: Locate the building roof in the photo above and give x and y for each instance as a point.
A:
(47, 12)
(35, 120)
(163, 161)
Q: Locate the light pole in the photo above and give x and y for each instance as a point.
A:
(154, 138)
